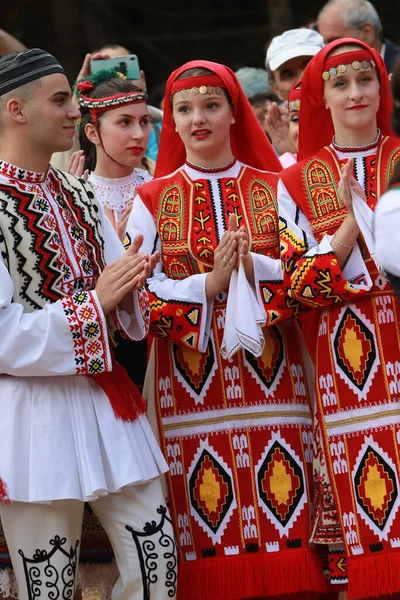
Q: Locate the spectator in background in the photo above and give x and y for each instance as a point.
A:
(9, 43)
(61, 160)
(156, 115)
(387, 214)
(257, 90)
(287, 57)
(290, 157)
(356, 19)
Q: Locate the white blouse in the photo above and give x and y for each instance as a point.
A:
(59, 437)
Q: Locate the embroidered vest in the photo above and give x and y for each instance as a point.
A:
(187, 228)
(30, 241)
(313, 184)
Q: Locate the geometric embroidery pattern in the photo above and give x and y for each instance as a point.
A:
(356, 356)
(89, 333)
(267, 369)
(280, 484)
(42, 269)
(376, 488)
(195, 369)
(211, 491)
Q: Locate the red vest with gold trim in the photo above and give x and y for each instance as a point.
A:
(313, 184)
(251, 196)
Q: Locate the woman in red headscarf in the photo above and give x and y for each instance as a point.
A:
(347, 154)
(230, 394)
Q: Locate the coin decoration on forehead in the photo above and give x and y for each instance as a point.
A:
(184, 94)
(294, 104)
(342, 68)
(195, 91)
(203, 89)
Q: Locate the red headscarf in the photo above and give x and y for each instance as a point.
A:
(249, 142)
(315, 123)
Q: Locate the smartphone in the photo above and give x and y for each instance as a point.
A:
(127, 65)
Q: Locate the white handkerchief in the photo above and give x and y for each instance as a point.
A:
(230, 342)
(244, 318)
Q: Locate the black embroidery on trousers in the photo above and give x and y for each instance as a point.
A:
(148, 555)
(39, 572)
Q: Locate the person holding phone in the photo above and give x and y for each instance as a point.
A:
(113, 136)
(112, 55)
(226, 380)
(347, 154)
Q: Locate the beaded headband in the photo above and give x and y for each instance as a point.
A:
(337, 65)
(295, 97)
(198, 84)
(95, 105)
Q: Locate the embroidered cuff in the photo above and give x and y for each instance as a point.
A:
(89, 333)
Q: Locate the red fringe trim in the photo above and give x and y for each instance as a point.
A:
(252, 576)
(125, 399)
(374, 577)
(4, 497)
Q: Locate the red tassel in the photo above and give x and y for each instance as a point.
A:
(374, 577)
(252, 576)
(4, 497)
(125, 399)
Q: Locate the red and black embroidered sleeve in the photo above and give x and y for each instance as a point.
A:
(89, 333)
(176, 321)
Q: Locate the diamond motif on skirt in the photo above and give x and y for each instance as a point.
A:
(355, 353)
(376, 488)
(281, 484)
(194, 369)
(267, 369)
(211, 491)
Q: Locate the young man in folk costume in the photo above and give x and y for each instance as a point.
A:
(72, 426)
(230, 394)
(347, 155)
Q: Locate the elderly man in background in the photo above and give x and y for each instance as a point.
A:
(356, 19)
(287, 57)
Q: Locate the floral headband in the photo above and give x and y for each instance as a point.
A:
(95, 105)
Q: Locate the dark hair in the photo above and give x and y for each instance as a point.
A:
(104, 89)
(111, 46)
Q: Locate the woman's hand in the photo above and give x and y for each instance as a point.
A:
(76, 165)
(347, 184)
(245, 255)
(127, 273)
(277, 127)
(225, 260)
(346, 236)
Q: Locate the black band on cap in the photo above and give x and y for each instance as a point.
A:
(19, 68)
